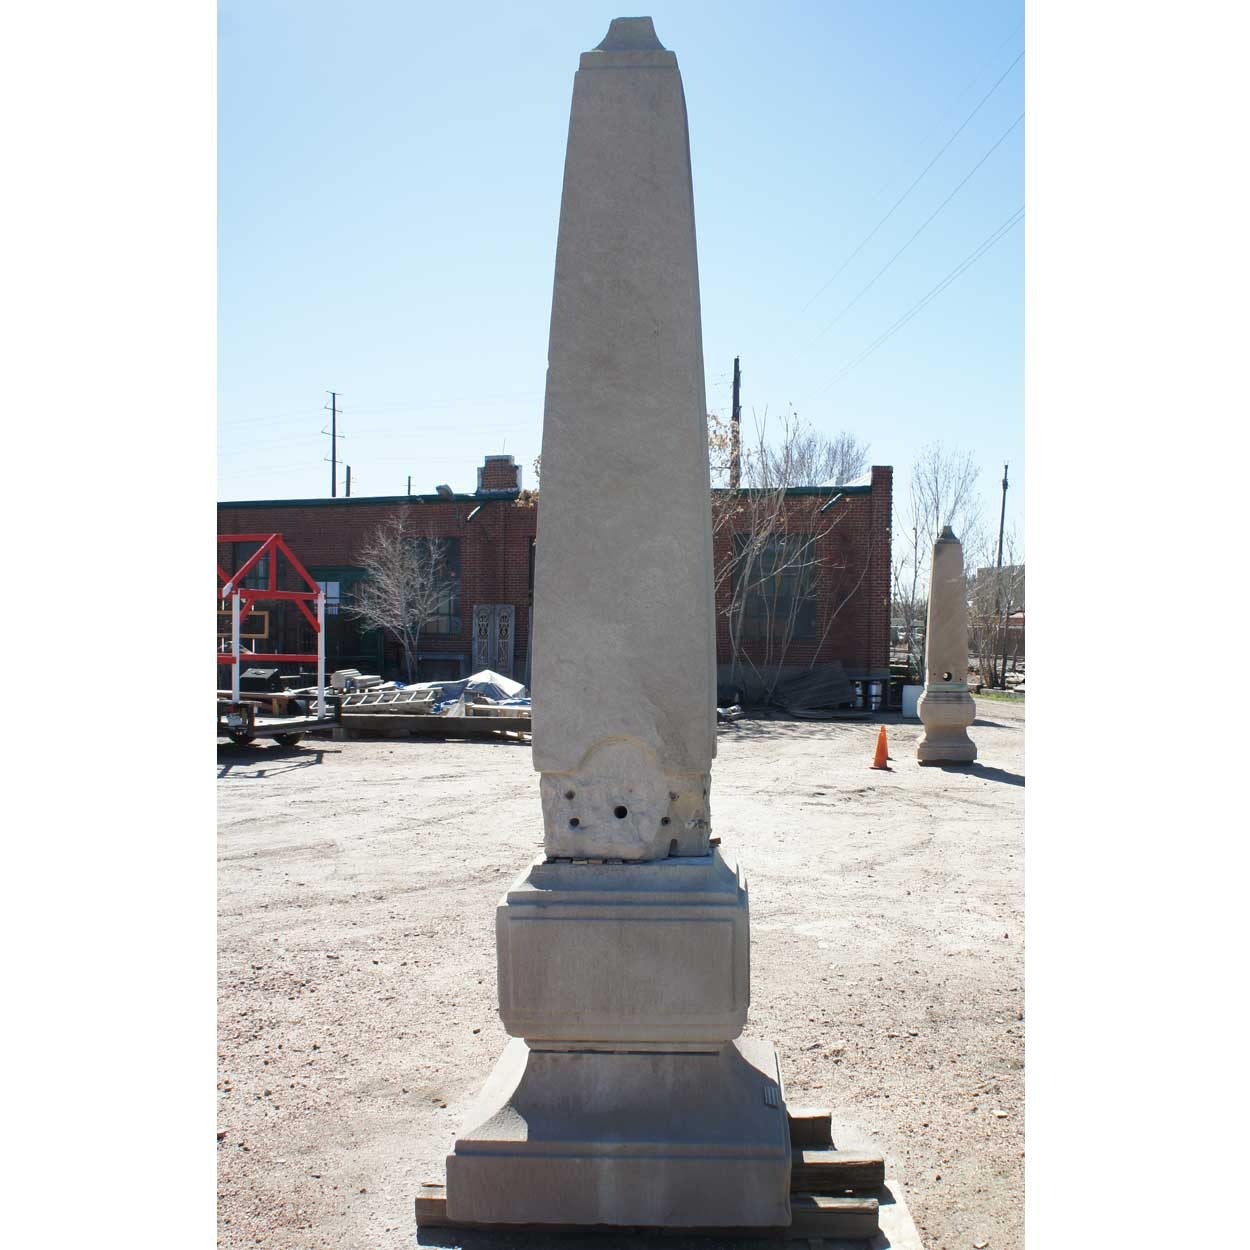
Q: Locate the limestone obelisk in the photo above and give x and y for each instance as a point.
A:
(946, 709)
(627, 1096)
(625, 650)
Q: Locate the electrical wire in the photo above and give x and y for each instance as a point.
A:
(872, 281)
(965, 264)
(890, 213)
(933, 130)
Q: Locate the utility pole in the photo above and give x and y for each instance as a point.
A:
(410, 483)
(334, 443)
(998, 576)
(349, 481)
(735, 432)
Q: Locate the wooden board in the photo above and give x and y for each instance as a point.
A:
(813, 1215)
(811, 1128)
(835, 1171)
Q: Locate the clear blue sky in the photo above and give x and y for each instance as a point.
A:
(389, 185)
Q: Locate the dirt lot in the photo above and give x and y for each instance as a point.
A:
(357, 887)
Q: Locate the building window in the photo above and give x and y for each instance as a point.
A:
(446, 620)
(777, 585)
(350, 643)
(258, 578)
(334, 599)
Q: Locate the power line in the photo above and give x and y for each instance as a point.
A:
(968, 261)
(941, 119)
(868, 237)
(872, 281)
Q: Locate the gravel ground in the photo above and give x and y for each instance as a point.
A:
(357, 887)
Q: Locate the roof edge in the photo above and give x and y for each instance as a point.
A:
(361, 500)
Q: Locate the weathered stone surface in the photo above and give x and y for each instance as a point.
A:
(614, 954)
(628, 1097)
(669, 1139)
(946, 709)
(621, 804)
(624, 648)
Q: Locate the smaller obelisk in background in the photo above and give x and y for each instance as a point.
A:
(946, 709)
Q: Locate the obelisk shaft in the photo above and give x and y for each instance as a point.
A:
(624, 668)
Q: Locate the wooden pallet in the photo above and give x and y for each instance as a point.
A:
(833, 1193)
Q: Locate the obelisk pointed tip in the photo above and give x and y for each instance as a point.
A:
(947, 535)
(631, 34)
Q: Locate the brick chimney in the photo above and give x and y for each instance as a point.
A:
(498, 473)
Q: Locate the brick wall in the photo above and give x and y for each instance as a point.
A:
(494, 551)
(853, 588)
(852, 555)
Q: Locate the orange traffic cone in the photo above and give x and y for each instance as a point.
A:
(882, 752)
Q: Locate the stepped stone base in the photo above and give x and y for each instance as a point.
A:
(665, 1138)
(946, 711)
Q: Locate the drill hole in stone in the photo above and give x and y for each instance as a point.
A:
(946, 677)
(672, 847)
(664, 820)
(620, 811)
(568, 794)
(574, 822)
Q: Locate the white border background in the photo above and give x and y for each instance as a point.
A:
(1136, 411)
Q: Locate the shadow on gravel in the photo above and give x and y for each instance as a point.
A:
(992, 724)
(615, 1239)
(265, 761)
(988, 774)
(783, 726)
(438, 740)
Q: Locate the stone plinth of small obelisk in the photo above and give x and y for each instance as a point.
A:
(627, 1096)
(946, 709)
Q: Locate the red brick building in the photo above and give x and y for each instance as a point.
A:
(836, 606)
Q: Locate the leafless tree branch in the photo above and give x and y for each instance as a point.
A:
(406, 586)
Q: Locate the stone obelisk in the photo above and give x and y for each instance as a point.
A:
(627, 1096)
(946, 709)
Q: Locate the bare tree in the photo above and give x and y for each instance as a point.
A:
(807, 458)
(408, 584)
(993, 595)
(773, 544)
(942, 491)
(909, 600)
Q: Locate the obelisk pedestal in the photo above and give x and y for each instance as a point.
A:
(627, 1096)
(946, 709)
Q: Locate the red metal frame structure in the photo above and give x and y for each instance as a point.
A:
(242, 598)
